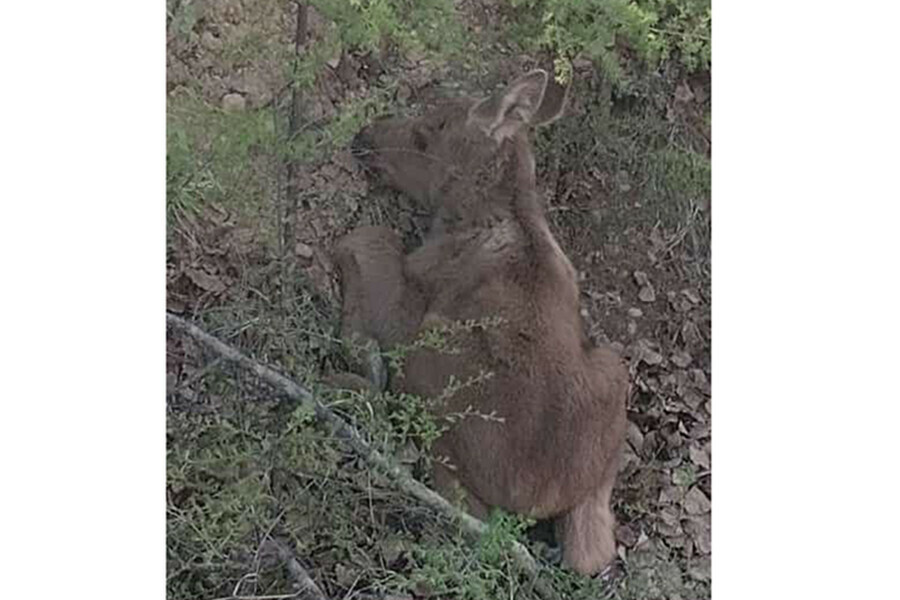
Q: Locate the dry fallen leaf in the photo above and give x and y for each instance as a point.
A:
(627, 535)
(634, 436)
(205, 281)
(669, 494)
(700, 456)
(700, 568)
(670, 524)
(692, 296)
(681, 359)
(699, 529)
(646, 353)
(692, 399)
(696, 502)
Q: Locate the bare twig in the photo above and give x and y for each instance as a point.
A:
(349, 435)
(288, 212)
(266, 538)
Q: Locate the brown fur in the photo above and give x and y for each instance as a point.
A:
(490, 253)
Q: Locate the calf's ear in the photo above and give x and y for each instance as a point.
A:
(553, 103)
(503, 114)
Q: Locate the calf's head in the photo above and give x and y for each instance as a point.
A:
(466, 152)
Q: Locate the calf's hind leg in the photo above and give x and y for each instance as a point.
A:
(587, 532)
(380, 309)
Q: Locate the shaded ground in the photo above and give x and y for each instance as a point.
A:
(626, 181)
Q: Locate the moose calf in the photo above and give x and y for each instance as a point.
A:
(490, 254)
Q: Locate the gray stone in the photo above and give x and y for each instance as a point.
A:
(233, 103)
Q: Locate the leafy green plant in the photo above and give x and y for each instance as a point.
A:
(427, 26)
(313, 143)
(453, 568)
(440, 339)
(604, 30)
(402, 419)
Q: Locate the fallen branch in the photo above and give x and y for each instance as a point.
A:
(352, 437)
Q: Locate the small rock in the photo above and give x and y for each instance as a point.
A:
(335, 60)
(647, 294)
(234, 103)
(584, 313)
(632, 328)
(302, 250)
(253, 87)
(635, 312)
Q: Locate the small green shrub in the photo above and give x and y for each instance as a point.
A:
(654, 30)
(427, 26)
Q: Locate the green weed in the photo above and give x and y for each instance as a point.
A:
(611, 31)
